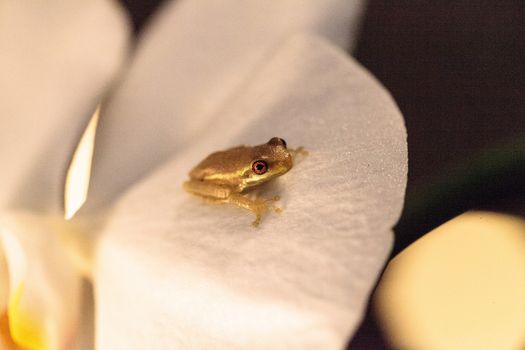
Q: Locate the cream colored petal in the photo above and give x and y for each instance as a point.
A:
(176, 272)
(44, 286)
(57, 58)
(78, 174)
(191, 62)
(460, 287)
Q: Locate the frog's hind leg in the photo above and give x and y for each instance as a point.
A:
(207, 190)
(258, 206)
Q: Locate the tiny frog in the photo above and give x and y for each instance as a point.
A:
(227, 176)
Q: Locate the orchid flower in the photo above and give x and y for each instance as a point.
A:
(168, 270)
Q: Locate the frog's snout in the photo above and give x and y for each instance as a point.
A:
(285, 164)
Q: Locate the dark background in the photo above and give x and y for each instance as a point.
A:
(456, 68)
(457, 71)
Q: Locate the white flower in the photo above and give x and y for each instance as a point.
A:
(57, 58)
(169, 270)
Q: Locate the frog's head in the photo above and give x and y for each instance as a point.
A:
(269, 160)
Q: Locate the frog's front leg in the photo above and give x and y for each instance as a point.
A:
(223, 194)
(299, 150)
(258, 205)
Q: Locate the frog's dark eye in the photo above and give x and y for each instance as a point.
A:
(259, 167)
(277, 141)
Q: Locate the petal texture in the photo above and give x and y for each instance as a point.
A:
(199, 276)
(44, 286)
(57, 59)
(192, 61)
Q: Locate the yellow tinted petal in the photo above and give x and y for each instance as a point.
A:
(6, 341)
(461, 286)
(44, 292)
(26, 330)
(4, 284)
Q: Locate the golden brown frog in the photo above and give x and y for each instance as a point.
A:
(226, 176)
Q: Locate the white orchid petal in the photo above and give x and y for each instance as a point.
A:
(79, 172)
(194, 58)
(57, 58)
(44, 287)
(199, 276)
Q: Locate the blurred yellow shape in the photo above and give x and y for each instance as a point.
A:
(461, 286)
(6, 342)
(79, 172)
(42, 305)
(25, 330)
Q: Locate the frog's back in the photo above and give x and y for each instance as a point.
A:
(223, 165)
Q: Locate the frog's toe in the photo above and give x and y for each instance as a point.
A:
(262, 205)
(271, 199)
(273, 206)
(269, 204)
(257, 220)
(299, 151)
